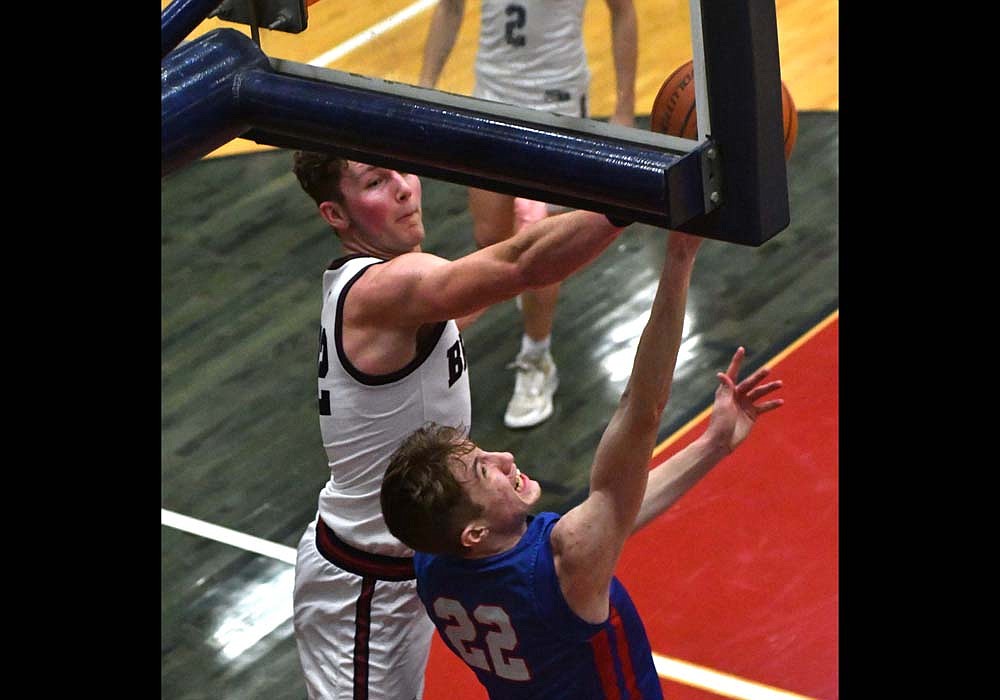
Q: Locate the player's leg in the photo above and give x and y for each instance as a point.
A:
(357, 636)
(495, 218)
(537, 376)
(400, 642)
(324, 600)
(492, 216)
(538, 305)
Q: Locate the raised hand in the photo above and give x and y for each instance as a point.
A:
(737, 406)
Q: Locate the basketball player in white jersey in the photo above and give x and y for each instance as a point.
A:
(531, 53)
(390, 359)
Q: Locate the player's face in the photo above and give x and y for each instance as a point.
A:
(493, 480)
(385, 204)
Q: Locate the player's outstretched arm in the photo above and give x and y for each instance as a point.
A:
(734, 413)
(588, 540)
(418, 288)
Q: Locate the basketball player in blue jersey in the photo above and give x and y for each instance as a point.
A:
(390, 359)
(531, 53)
(531, 603)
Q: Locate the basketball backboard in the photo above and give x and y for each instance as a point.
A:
(729, 183)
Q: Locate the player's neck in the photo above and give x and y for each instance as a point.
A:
(496, 543)
(358, 245)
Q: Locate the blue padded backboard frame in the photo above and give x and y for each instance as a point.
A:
(743, 76)
(730, 184)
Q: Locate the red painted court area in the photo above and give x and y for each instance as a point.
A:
(741, 576)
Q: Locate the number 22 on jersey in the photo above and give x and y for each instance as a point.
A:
(500, 637)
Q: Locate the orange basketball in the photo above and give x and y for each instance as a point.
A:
(674, 112)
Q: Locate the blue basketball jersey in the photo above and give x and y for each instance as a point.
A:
(506, 617)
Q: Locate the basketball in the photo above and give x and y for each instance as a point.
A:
(674, 112)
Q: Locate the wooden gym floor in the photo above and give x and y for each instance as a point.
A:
(737, 583)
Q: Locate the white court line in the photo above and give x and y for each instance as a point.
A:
(367, 35)
(666, 667)
(718, 683)
(227, 536)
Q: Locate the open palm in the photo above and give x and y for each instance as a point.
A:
(737, 406)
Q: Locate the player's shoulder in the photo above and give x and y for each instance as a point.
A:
(406, 266)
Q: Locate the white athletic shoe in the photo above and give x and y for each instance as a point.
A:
(534, 385)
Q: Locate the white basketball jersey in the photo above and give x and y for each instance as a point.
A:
(364, 418)
(531, 53)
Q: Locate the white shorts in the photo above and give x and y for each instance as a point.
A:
(570, 102)
(359, 637)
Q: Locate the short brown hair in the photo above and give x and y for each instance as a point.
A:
(423, 504)
(319, 175)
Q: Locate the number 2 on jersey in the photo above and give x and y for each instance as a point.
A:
(519, 17)
(500, 638)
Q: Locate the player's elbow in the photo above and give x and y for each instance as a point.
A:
(640, 413)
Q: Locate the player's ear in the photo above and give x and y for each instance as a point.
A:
(335, 214)
(473, 534)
